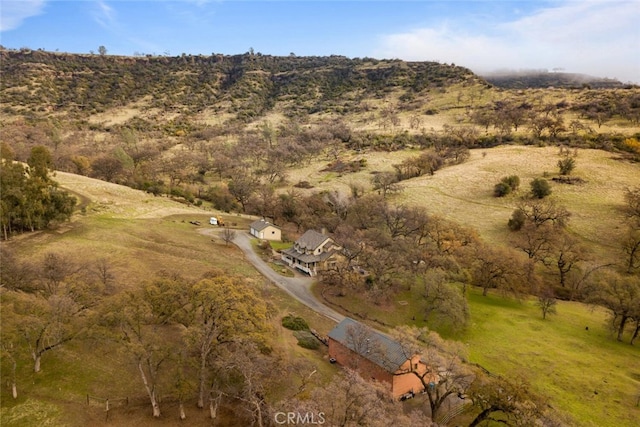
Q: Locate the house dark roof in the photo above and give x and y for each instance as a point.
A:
(311, 240)
(261, 224)
(385, 352)
(308, 258)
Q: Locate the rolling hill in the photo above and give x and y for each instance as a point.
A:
(292, 138)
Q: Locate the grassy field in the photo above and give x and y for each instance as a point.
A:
(464, 193)
(138, 240)
(585, 374)
(587, 377)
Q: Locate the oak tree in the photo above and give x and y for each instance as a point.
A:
(446, 376)
(504, 401)
(223, 310)
(130, 319)
(621, 296)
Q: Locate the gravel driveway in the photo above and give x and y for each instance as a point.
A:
(299, 287)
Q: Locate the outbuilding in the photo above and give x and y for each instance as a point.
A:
(376, 356)
(264, 230)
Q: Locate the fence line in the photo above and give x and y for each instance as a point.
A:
(124, 401)
(107, 399)
(451, 414)
(324, 340)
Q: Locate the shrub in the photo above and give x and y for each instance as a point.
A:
(501, 189)
(517, 220)
(540, 188)
(566, 165)
(306, 340)
(294, 323)
(506, 186)
(512, 181)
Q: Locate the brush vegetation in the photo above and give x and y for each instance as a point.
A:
(397, 161)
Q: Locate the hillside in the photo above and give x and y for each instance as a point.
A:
(243, 86)
(141, 234)
(396, 160)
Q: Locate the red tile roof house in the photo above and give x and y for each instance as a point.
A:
(311, 253)
(375, 356)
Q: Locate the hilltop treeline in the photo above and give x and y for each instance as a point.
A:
(247, 85)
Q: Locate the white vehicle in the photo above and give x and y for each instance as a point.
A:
(213, 220)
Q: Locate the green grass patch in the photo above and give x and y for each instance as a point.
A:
(585, 374)
(31, 413)
(278, 246)
(282, 270)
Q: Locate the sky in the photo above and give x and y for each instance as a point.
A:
(596, 37)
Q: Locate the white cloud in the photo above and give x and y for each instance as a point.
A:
(13, 13)
(601, 38)
(104, 15)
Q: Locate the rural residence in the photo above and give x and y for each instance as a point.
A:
(375, 356)
(311, 253)
(265, 230)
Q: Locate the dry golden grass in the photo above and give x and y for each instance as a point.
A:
(331, 181)
(118, 201)
(464, 193)
(137, 245)
(116, 116)
(137, 233)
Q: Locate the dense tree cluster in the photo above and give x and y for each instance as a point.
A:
(29, 199)
(547, 121)
(177, 333)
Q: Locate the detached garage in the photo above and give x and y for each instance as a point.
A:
(264, 230)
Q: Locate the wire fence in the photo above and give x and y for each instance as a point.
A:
(108, 403)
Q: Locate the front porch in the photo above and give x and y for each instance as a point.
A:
(309, 268)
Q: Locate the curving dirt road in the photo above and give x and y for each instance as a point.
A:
(299, 287)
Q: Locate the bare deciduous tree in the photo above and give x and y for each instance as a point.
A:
(631, 247)
(547, 302)
(504, 401)
(386, 182)
(621, 296)
(565, 254)
(446, 376)
(228, 235)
